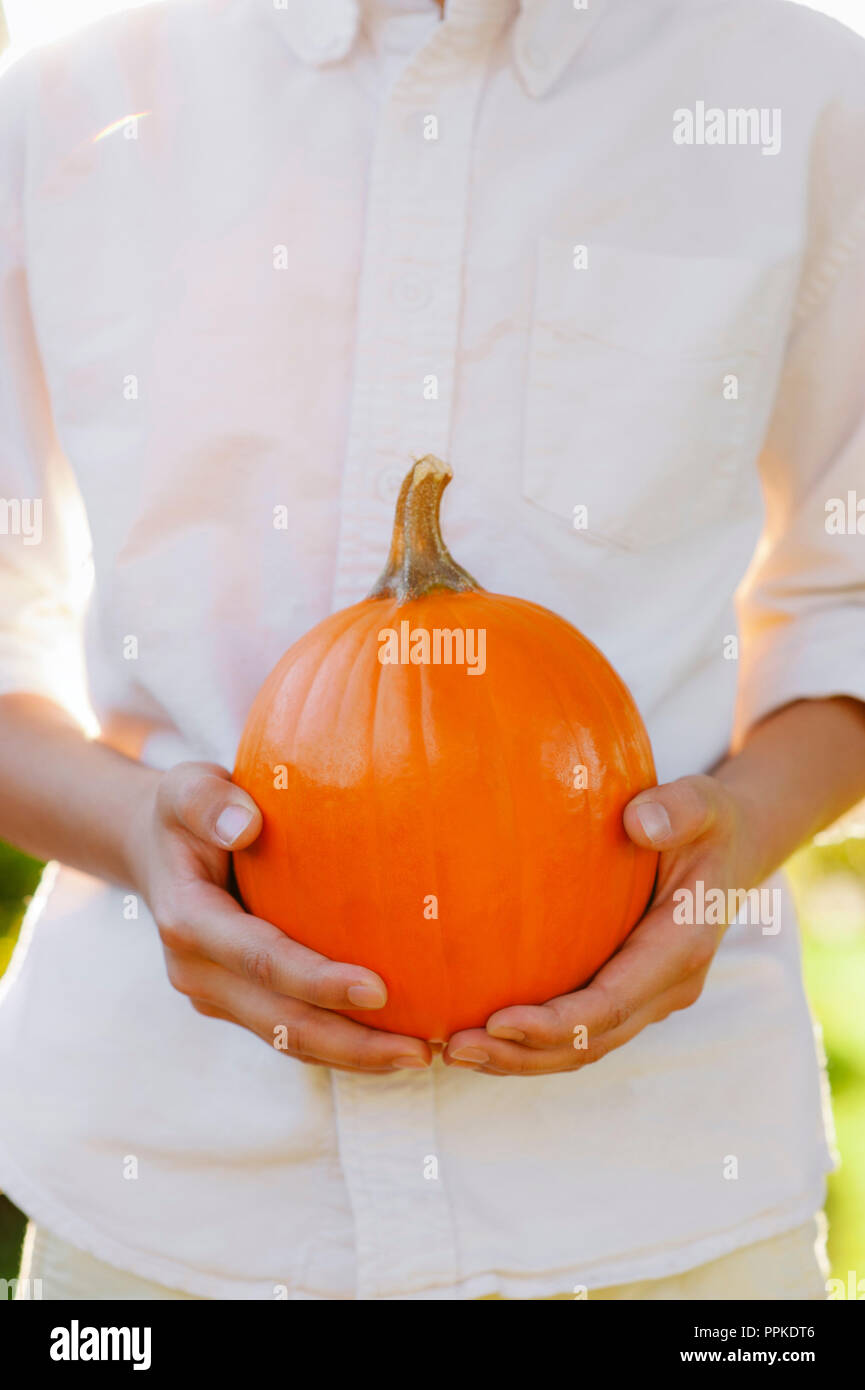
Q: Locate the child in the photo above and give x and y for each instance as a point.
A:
(609, 262)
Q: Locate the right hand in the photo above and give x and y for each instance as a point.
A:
(236, 967)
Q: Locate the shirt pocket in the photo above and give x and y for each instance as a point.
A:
(650, 382)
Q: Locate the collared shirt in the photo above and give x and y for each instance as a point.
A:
(256, 257)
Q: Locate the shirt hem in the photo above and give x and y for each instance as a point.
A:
(623, 1270)
(50, 1212)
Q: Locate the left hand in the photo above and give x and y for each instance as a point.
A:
(703, 832)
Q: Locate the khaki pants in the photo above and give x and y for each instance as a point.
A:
(790, 1266)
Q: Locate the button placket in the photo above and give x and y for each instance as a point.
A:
(407, 330)
(410, 298)
(387, 1142)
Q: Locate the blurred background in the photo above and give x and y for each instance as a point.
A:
(828, 877)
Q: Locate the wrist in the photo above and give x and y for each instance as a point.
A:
(136, 828)
(762, 844)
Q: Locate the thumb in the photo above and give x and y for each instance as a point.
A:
(674, 814)
(202, 798)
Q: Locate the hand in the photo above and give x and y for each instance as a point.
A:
(236, 967)
(701, 829)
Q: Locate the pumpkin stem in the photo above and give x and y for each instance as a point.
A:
(419, 561)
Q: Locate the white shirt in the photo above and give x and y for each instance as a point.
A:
(339, 240)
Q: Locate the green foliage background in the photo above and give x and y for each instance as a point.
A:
(829, 881)
(19, 877)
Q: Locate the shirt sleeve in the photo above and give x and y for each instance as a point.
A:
(44, 544)
(802, 604)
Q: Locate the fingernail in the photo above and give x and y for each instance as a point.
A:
(469, 1054)
(367, 996)
(509, 1034)
(231, 824)
(654, 821)
(410, 1062)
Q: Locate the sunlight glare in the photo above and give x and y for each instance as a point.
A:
(37, 21)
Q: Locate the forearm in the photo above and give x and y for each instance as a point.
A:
(64, 796)
(797, 772)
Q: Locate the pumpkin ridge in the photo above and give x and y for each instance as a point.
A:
(335, 653)
(378, 859)
(522, 625)
(445, 994)
(375, 860)
(260, 721)
(554, 622)
(522, 618)
(276, 681)
(516, 836)
(520, 612)
(610, 673)
(330, 654)
(367, 620)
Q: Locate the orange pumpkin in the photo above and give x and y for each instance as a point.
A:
(455, 825)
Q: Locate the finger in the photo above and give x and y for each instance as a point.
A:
(659, 956)
(207, 921)
(299, 1029)
(203, 1006)
(514, 1059)
(202, 798)
(353, 1071)
(677, 813)
(505, 1058)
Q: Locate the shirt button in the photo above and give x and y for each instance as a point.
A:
(411, 290)
(389, 483)
(327, 28)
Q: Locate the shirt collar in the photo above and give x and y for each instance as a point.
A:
(546, 36)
